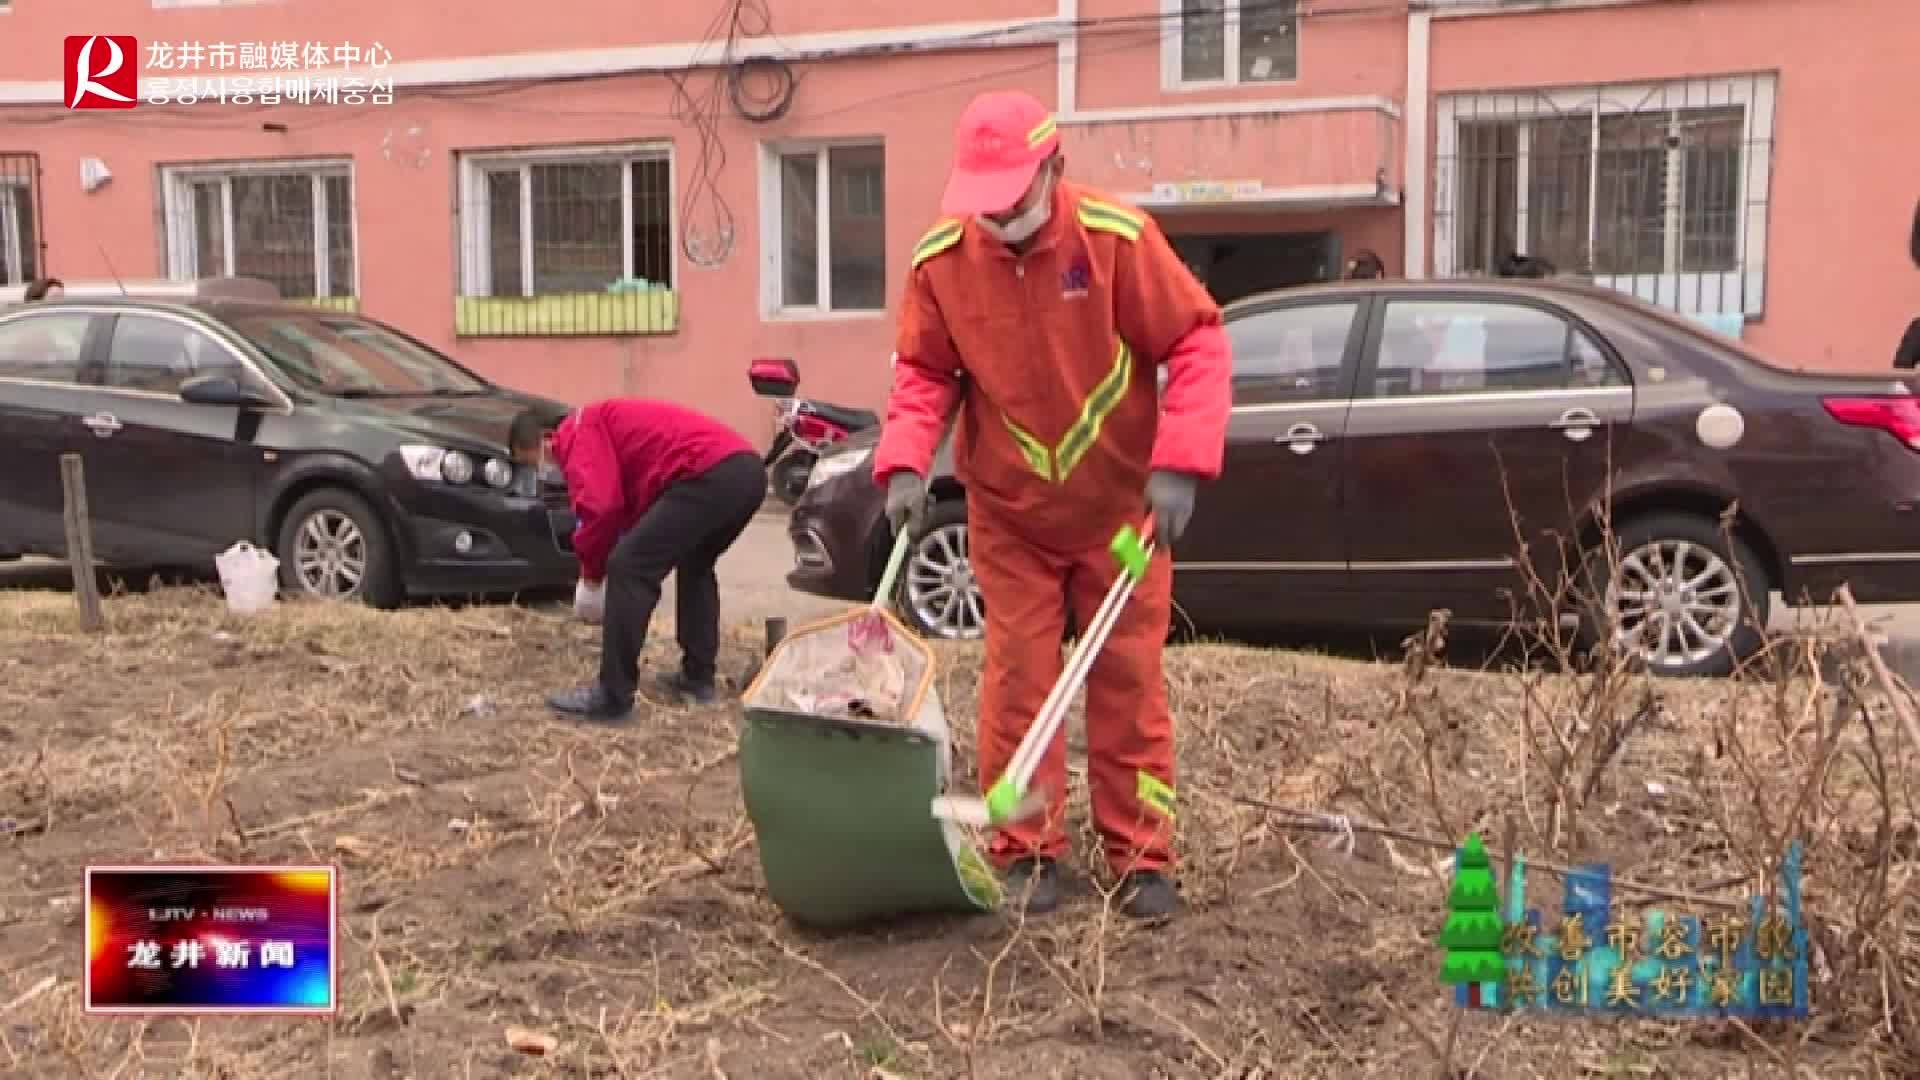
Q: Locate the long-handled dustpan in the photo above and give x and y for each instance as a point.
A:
(843, 746)
(1008, 799)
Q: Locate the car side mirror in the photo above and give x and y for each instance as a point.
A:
(221, 390)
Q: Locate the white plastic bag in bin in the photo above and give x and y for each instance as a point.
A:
(249, 576)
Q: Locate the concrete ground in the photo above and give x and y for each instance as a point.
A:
(753, 587)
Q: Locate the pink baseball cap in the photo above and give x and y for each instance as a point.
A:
(1002, 138)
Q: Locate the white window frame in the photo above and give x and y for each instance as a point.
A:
(182, 236)
(773, 227)
(1173, 19)
(1699, 292)
(10, 189)
(476, 224)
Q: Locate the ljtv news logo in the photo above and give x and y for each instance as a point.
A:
(102, 71)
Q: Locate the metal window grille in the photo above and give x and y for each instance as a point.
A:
(292, 227)
(23, 245)
(560, 246)
(833, 229)
(1238, 41)
(1660, 191)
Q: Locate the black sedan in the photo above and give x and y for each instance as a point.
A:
(1502, 449)
(372, 465)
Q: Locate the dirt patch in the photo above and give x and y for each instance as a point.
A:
(504, 869)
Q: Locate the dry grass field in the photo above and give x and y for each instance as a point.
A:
(502, 869)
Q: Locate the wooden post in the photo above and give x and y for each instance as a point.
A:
(86, 586)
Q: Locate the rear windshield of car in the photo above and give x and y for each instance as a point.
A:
(1712, 339)
(348, 356)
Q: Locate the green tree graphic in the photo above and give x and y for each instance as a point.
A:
(1474, 930)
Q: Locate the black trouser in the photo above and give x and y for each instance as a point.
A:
(684, 532)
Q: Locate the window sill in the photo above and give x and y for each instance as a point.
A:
(348, 304)
(1175, 86)
(655, 311)
(816, 315)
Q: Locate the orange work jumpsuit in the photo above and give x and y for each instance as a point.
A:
(1062, 423)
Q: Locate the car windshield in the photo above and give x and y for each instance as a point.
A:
(347, 356)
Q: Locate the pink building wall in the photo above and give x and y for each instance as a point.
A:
(1843, 169)
(1846, 162)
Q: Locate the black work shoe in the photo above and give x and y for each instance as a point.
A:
(678, 688)
(1147, 894)
(1033, 885)
(590, 703)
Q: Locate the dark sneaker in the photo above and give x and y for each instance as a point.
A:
(679, 689)
(1147, 894)
(1033, 885)
(590, 703)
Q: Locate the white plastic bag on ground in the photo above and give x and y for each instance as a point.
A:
(590, 602)
(249, 576)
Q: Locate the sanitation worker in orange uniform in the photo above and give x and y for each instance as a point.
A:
(1060, 304)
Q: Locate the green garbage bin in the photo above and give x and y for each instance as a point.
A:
(841, 803)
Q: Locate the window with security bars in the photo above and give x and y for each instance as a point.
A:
(20, 242)
(287, 223)
(1227, 42)
(1660, 191)
(568, 243)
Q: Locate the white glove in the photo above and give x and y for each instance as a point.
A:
(590, 602)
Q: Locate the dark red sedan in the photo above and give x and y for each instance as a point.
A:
(1400, 446)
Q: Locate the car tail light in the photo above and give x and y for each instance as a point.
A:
(1897, 416)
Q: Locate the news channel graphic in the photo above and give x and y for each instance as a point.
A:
(211, 939)
(1746, 959)
(115, 71)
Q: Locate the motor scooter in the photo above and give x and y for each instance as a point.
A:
(806, 429)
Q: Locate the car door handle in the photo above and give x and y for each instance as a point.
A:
(1301, 438)
(102, 424)
(1576, 424)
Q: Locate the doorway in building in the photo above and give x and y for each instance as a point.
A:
(1233, 265)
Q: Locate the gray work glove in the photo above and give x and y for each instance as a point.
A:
(1170, 497)
(906, 501)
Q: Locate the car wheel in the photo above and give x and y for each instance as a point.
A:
(1683, 598)
(938, 595)
(334, 547)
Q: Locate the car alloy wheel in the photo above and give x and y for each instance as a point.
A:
(1674, 604)
(330, 555)
(941, 593)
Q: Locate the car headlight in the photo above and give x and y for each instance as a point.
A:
(841, 464)
(457, 468)
(436, 463)
(498, 473)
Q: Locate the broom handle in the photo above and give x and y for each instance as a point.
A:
(1026, 757)
(883, 593)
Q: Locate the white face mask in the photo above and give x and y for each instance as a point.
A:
(1021, 229)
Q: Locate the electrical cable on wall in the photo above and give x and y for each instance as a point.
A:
(776, 80)
(734, 82)
(700, 110)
